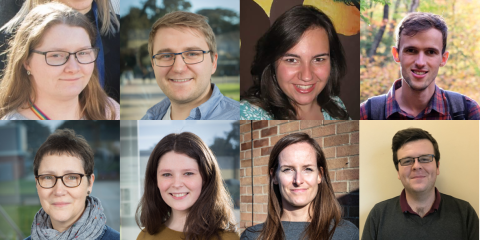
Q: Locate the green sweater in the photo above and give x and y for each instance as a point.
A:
(455, 219)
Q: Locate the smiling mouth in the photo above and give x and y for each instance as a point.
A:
(180, 80)
(304, 86)
(420, 72)
(179, 196)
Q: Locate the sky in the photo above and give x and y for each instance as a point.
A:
(196, 5)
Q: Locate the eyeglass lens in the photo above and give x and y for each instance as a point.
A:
(59, 58)
(190, 57)
(421, 159)
(70, 180)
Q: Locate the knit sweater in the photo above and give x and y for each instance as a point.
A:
(294, 231)
(455, 219)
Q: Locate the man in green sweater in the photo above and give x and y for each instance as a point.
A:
(421, 211)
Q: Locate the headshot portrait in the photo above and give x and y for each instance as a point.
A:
(425, 193)
(52, 71)
(182, 185)
(424, 49)
(184, 64)
(60, 180)
(106, 27)
(292, 188)
(297, 60)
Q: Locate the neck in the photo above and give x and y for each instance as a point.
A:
(412, 101)
(295, 214)
(180, 111)
(422, 202)
(177, 220)
(63, 226)
(59, 109)
(309, 112)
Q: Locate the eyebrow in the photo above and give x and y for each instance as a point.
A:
(169, 50)
(64, 172)
(429, 48)
(63, 50)
(297, 56)
(308, 165)
(182, 170)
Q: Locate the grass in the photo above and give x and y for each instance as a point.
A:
(22, 216)
(231, 90)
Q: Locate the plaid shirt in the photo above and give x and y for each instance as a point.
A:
(437, 108)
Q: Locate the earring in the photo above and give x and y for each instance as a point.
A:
(28, 72)
(88, 193)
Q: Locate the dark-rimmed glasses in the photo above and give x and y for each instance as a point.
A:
(189, 57)
(421, 159)
(70, 180)
(58, 58)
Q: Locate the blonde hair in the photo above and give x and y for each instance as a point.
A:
(110, 23)
(184, 20)
(17, 89)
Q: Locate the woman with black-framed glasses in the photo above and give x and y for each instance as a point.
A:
(51, 70)
(63, 168)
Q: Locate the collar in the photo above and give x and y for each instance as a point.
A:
(437, 102)
(407, 209)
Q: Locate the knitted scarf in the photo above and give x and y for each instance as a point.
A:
(90, 225)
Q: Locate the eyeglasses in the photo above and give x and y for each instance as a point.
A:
(58, 58)
(189, 57)
(70, 180)
(422, 159)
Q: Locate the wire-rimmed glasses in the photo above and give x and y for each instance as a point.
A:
(421, 159)
(70, 180)
(58, 58)
(189, 57)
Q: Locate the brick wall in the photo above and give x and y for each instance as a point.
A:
(339, 141)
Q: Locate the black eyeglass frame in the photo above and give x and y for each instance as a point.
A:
(56, 179)
(418, 159)
(175, 57)
(97, 50)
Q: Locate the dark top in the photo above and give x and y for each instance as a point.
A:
(454, 219)
(108, 234)
(294, 231)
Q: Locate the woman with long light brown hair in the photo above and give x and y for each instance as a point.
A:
(184, 195)
(301, 201)
(51, 71)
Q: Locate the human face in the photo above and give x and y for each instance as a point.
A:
(82, 6)
(66, 81)
(64, 205)
(179, 180)
(420, 56)
(183, 83)
(297, 175)
(419, 177)
(303, 71)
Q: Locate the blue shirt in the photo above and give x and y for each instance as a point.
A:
(218, 107)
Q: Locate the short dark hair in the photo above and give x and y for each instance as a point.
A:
(417, 22)
(404, 136)
(64, 141)
(283, 35)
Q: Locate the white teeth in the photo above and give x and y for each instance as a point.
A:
(419, 73)
(180, 80)
(304, 86)
(179, 195)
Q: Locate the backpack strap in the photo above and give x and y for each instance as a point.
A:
(457, 105)
(376, 107)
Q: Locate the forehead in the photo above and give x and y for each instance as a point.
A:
(313, 41)
(176, 161)
(298, 154)
(431, 38)
(54, 163)
(64, 37)
(179, 39)
(415, 148)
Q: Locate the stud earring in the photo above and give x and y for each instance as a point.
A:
(28, 72)
(88, 193)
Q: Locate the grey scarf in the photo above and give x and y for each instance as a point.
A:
(90, 225)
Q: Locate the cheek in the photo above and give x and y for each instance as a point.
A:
(322, 72)
(163, 185)
(284, 73)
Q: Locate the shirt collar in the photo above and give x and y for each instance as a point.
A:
(437, 102)
(407, 209)
(201, 112)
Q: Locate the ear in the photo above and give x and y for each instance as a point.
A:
(214, 64)
(395, 54)
(273, 176)
(320, 174)
(26, 65)
(438, 168)
(444, 61)
(92, 179)
(398, 175)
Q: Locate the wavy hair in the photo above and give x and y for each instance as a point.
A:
(210, 215)
(325, 211)
(110, 23)
(17, 89)
(284, 34)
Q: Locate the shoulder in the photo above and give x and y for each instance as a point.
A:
(110, 234)
(249, 111)
(230, 109)
(157, 111)
(453, 201)
(14, 115)
(346, 230)
(116, 106)
(339, 103)
(28, 238)
(473, 109)
(252, 232)
(229, 236)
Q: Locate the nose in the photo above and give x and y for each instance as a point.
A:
(179, 64)
(305, 73)
(298, 180)
(420, 61)
(72, 65)
(416, 164)
(177, 181)
(59, 188)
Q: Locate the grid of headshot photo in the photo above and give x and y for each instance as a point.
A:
(239, 119)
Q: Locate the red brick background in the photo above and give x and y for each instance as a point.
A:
(339, 141)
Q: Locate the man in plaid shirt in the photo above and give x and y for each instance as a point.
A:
(420, 50)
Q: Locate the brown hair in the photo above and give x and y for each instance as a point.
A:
(64, 141)
(184, 20)
(405, 136)
(210, 214)
(17, 89)
(417, 22)
(325, 208)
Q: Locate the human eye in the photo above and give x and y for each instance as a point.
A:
(193, 53)
(56, 55)
(431, 52)
(188, 174)
(72, 177)
(407, 161)
(410, 50)
(424, 159)
(164, 56)
(166, 174)
(84, 52)
(309, 169)
(47, 177)
(287, 170)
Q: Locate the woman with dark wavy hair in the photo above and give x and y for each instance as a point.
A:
(184, 195)
(301, 201)
(297, 69)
